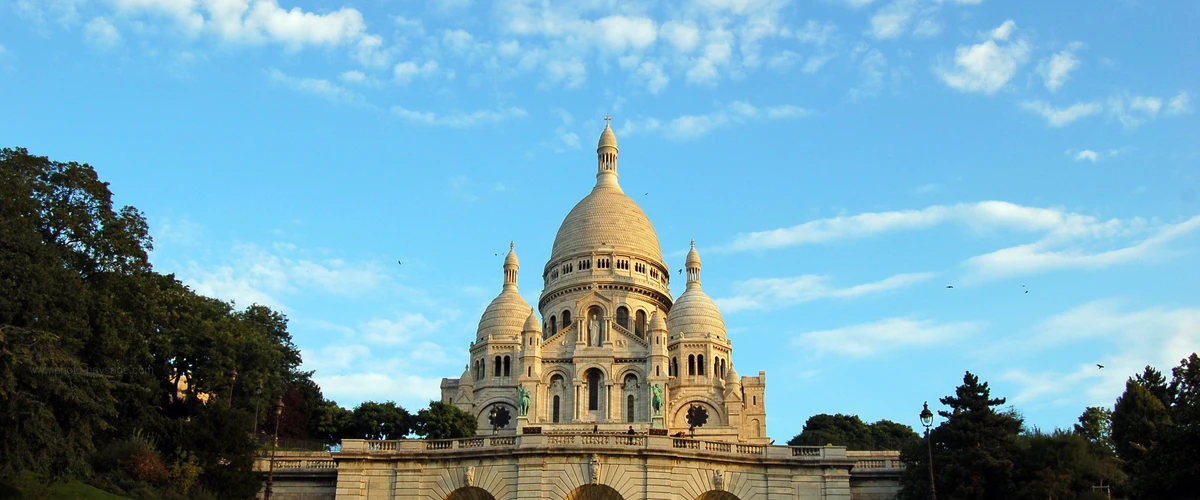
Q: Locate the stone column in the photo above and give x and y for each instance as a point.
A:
(608, 408)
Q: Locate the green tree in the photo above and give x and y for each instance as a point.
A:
(850, 431)
(444, 421)
(1137, 419)
(890, 435)
(1095, 425)
(1169, 467)
(371, 420)
(974, 449)
(1063, 465)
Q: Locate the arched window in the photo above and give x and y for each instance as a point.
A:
(629, 408)
(673, 370)
(656, 373)
(593, 389)
(555, 409)
(566, 316)
(700, 363)
(506, 366)
(529, 371)
(499, 367)
(553, 325)
(623, 317)
(639, 324)
(691, 364)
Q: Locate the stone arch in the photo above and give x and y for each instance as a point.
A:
(716, 414)
(594, 492)
(623, 317)
(717, 495)
(639, 323)
(630, 370)
(470, 493)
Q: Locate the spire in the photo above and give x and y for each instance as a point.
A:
(531, 323)
(693, 266)
(510, 267)
(606, 156)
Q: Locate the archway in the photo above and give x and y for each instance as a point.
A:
(470, 493)
(717, 495)
(594, 492)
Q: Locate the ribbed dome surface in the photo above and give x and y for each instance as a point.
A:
(695, 312)
(608, 218)
(532, 324)
(505, 315)
(607, 138)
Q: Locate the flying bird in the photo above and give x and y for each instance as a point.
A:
(949, 286)
(398, 263)
(1099, 366)
(1026, 291)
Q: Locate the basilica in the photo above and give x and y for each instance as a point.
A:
(610, 389)
(612, 348)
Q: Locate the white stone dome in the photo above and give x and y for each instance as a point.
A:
(606, 218)
(506, 315)
(695, 312)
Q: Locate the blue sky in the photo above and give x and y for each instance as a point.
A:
(839, 163)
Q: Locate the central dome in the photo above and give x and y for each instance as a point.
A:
(606, 218)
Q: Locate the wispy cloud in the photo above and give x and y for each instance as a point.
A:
(1058, 117)
(886, 335)
(1057, 68)
(315, 86)
(1156, 336)
(254, 274)
(1067, 240)
(101, 33)
(773, 293)
(458, 119)
(688, 127)
(986, 67)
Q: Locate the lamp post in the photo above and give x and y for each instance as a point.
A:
(232, 381)
(274, 445)
(927, 421)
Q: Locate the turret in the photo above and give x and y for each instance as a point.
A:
(531, 349)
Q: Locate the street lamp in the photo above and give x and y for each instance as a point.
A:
(274, 445)
(232, 381)
(927, 421)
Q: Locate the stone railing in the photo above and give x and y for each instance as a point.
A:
(304, 464)
(295, 461)
(875, 460)
(570, 438)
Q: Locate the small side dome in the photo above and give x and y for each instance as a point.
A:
(504, 316)
(532, 324)
(695, 312)
(731, 376)
(657, 323)
(465, 379)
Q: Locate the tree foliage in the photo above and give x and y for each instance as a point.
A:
(96, 347)
(444, 421)
(853, 433)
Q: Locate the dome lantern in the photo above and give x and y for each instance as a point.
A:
(511, 266)
(693, 266)
(606, 155)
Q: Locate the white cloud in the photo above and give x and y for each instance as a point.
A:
(988, 66)
(1053, 254)
(1058, 117)
(1134, 111)
(458, 40)
(652, 75)
(816, 33)
(101, 33)
(406, 71)
(458, 119)
(872, 69)
(398, 331)
(688, 127)
(257, 21)
(378, 383)
(1155, 336)
(1088, 155)
(772, 293)
(684, 36)
(1056, 69)
(315, 86)
(886, 335)
(353, 77)
(892, 20)
(253, 274)
(570, 72)
(620, 33)
(1068, 240)
(1181, 104)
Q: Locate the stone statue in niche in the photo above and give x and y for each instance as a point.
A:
(718, 480)
(595, 469)
(656, 399)
(594, 330)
